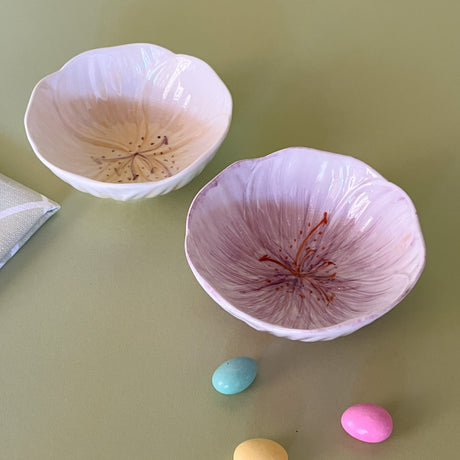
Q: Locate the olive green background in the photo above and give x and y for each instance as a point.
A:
(107, 342)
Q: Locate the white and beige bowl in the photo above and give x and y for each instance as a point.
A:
(128, 122)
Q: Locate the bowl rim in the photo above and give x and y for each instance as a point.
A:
(327, 332)
(115, 186)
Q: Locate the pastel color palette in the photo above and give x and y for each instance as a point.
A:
(260, 449)
(235, 375)
(367, 422)
(304, 244)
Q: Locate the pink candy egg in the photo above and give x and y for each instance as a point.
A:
(367, 422)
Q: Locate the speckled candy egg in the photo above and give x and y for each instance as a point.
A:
(260, 449)
(367, 422)
(234, 375)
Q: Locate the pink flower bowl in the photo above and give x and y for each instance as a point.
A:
(304, 244)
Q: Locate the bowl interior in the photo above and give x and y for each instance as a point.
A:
(303, 257)
(106, 117)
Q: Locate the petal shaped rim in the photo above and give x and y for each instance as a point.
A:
(303, 334)
(128, 191)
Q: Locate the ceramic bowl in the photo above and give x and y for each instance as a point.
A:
(128, 122)
(304, 244)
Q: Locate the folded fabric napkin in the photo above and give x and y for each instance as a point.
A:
(22, 212)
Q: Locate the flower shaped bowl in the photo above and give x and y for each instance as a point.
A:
(128, 122)
(304, 244)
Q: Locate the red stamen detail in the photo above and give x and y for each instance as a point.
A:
(312, 276)
(313, 230)
(269, 259)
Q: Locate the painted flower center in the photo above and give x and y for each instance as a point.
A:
(309, 271)
(141, 161)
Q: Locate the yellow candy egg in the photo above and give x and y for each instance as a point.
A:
(260, 449)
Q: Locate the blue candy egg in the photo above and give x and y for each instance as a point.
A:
(234, 375)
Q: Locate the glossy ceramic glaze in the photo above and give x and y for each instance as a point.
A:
(128, 122)
(304, 244)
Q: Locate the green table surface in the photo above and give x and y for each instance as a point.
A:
(107, 342)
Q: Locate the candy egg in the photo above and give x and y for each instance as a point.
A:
(260, 449)
(234, 375)
(367, 422)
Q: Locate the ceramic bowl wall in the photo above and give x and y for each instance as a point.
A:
(304, 244)
(129, 122)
